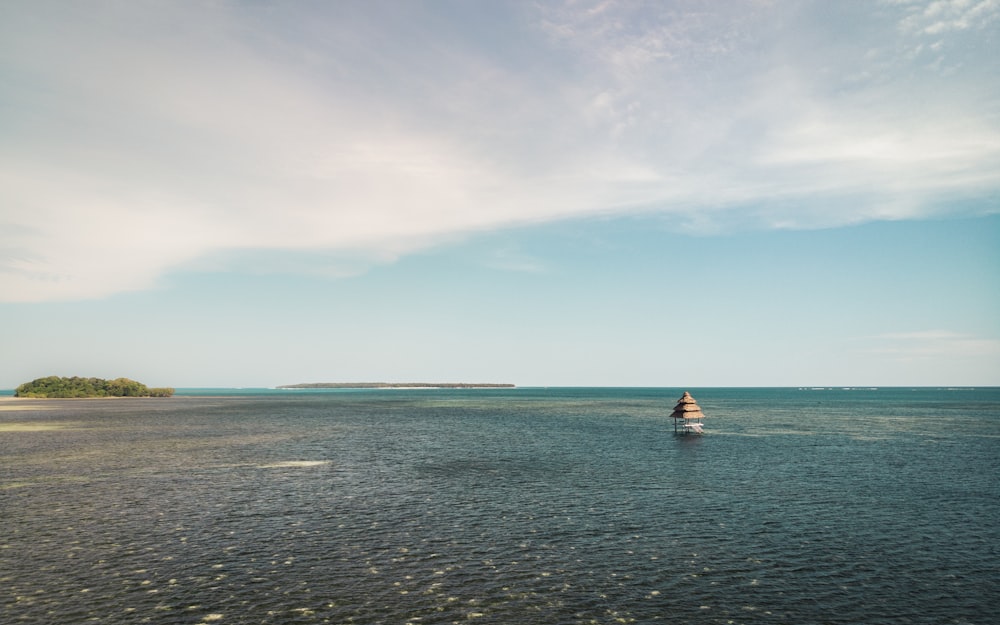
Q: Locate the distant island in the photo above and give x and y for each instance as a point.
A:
(394, 385)
(54, 387)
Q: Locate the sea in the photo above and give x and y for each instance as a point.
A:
(517, 506)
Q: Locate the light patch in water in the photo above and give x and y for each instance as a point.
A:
(291, 464)
(14, 404)
(32, 427)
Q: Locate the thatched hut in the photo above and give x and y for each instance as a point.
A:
(687, 415)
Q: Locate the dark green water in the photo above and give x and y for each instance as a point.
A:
(515, 506)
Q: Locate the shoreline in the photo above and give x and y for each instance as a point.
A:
(392, 385)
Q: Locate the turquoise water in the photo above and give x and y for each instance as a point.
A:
(502, 506)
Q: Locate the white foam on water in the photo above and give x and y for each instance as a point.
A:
(291, 464)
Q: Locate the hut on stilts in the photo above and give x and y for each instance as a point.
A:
(687, 416)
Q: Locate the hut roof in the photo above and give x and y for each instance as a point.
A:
(687, 408)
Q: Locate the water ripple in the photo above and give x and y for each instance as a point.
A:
(452, 508)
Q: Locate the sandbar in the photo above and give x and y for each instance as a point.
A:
(32, 427)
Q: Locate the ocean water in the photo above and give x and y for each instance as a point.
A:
(520, 506)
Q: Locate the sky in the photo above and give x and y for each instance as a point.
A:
(544, 193)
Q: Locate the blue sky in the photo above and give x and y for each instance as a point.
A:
(542, 193)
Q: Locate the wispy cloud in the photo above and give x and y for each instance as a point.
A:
(142, 137)
(512, 258)
(944, 345)
(942, 16)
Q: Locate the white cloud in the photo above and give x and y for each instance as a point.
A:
(944, 345)
(512, 258)
(143, 137)
(941, 16)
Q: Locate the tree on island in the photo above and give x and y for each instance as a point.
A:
(54, 387)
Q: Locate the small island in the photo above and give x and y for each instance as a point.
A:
(395, 385)
(54, 387)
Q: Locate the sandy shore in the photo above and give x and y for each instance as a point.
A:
(11, 403)
(8, 402)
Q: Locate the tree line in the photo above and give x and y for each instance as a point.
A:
(55, 387)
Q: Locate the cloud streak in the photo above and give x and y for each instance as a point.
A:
(140, 138)
(942, 345)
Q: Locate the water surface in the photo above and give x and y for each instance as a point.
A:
(502, 506)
